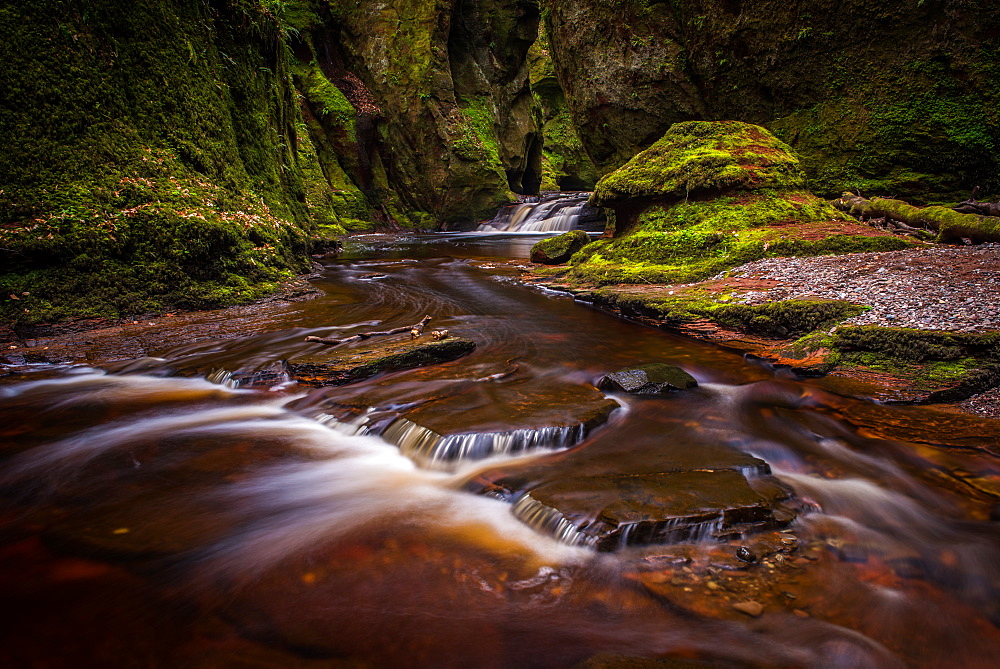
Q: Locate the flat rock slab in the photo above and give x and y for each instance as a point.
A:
(611, 512)
(341, 365)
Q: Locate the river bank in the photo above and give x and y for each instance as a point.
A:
(908, 326)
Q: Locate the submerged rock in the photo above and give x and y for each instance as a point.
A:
(648, 379)
(343, 365)
(559, 249)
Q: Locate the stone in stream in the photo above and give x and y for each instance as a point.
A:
(610, 512)
(557, 250)
(345, 364)
(648, 379)
(480, 424)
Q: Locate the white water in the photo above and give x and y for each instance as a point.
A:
(558, 214)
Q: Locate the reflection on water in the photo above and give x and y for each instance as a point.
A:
(152, 517)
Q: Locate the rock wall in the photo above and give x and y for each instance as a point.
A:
(189, 153)
(892, 97)
(149, 157)
(451, 116)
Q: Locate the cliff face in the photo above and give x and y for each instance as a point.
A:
(877, 96)
(182, 154)
(148, 157)
(442, 95)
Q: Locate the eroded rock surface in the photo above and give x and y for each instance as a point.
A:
(339, 366)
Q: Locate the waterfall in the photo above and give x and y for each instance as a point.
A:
(428, 447)
(558, 212)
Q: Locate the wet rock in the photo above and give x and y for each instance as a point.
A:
(344, 365)
(615, 511)
(557, 250)
(485, 420)
(648, 379)
(751, 608)
(744, 554)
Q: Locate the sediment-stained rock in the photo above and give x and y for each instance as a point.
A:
(343, 365)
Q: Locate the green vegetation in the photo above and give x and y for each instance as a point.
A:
(694, 240)
(560, 248)
(697, 157)
(144, 169)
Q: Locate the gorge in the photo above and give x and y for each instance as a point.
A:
(555, 333)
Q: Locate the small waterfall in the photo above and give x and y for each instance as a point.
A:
(553, 213)
(428, 447)
(549, 521)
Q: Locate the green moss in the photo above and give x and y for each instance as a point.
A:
(783, 319)
(560, 248)
(700, 156)
(146, 167)
(694, 240)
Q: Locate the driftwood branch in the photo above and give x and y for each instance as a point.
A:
(415, 331)
(971, 206)
(949, 225)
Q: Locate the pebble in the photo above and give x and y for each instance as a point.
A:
(751, 608)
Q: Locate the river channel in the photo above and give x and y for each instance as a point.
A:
(198, 508)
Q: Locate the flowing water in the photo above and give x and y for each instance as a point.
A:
(197, 508)
(555, 212)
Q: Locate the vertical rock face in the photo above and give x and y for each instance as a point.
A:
(889, 96)
(452, 114)
(148, 156)
(181, 154)
(565, 163)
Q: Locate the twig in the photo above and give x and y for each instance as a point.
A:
(415, 331)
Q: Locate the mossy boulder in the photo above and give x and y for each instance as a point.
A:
(557, 250)
(697, 158)
(709, 196)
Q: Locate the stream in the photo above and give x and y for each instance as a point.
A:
(197, 508)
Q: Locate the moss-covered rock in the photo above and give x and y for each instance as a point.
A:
(927, 366)
(649, 379)
(707, 197)
(565, 163)
(695, 158)
(559, 249)
(442, 98)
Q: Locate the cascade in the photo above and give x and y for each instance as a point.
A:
(557, 212)
(428, 447)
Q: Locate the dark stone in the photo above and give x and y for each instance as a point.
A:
(661, 508)
(745, 554)
(344, 365)
(559, 249)
(648, 379)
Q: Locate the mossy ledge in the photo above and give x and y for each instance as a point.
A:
(709, 196)
(146, 168)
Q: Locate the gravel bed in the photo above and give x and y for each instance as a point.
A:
(939, 288)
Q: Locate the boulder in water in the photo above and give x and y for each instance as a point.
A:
(648, 379)
(559, 249)
(345, 365)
